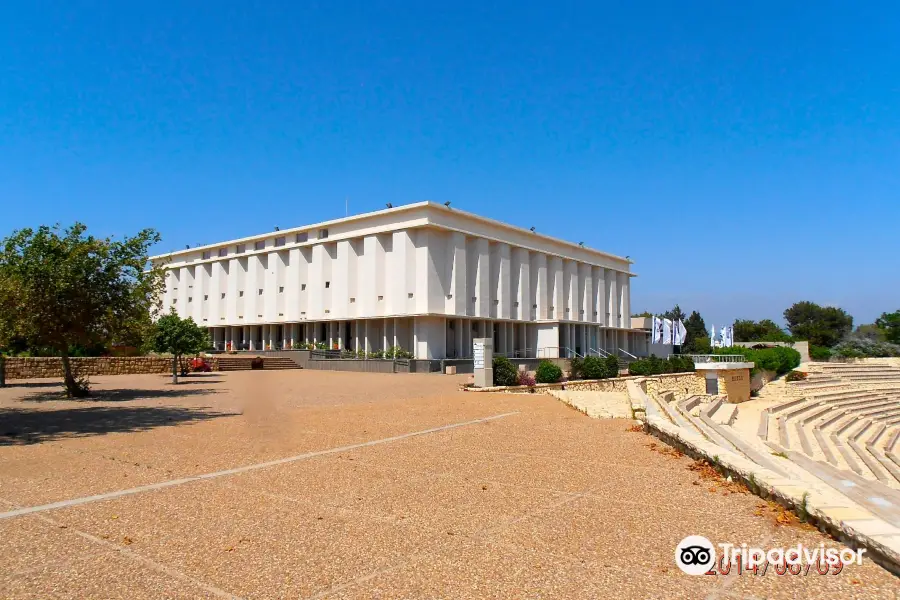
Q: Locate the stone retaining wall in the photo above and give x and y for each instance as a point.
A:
(682, 385)
(51, 367)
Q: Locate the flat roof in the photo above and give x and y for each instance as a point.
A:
(384, 211)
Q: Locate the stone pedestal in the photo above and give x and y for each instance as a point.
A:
(728, 379)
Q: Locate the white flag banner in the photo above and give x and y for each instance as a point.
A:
(728, 342)
(712, 336)
(667, 331)
(657, 330)
(680, 333)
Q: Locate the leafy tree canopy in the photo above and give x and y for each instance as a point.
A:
(889, 324)
(821, 325)
(676, 314)
(177, 336)
(62, 288)
(766, 330)
(644, 314)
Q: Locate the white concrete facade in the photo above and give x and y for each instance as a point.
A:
(424, 277)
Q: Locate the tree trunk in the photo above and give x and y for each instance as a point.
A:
(174, 368)
(73, 390)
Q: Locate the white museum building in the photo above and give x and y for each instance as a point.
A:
(425, 277)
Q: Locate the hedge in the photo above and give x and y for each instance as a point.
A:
(779, 359)
(653, 365)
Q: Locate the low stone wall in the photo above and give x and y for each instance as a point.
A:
(659, 383)
(682, 385)
(51, 367)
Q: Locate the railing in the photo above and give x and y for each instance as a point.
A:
(714, 358)
(524, 353)
(557, 352)
(628, 354)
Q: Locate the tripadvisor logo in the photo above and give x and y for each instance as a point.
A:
(695, 555)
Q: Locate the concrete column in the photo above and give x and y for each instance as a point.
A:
(460, 348)
(613, 299)
(384, 335)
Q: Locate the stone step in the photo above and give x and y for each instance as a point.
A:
(848, 455)
(844, 395)
(804, 441)
(891, 469)
(877, 434)
(826, 447)
(685, 406)
(892, 440)
(872, 464)
(786, 405)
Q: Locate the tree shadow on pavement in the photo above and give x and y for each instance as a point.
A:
(121, 394)
(31, 426)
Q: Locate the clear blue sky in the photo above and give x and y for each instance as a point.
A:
(744, 156)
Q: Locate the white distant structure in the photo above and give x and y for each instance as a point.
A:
(425, 277)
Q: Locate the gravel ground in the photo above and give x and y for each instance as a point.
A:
(540, 503)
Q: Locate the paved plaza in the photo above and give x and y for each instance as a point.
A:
(315, 484)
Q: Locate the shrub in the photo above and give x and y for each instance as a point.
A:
(796, 376)
(612, 366)
(865, 348)
(548, 372)
(593, 367)
(505, 373)
(576, 368)
(819, 353)
(526, 379)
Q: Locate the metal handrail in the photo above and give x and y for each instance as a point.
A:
(628, 354)
(713, 358)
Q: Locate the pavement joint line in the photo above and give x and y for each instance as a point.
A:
(237, 470)
(148, 562)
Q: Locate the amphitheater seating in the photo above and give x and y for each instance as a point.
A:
(845, 415)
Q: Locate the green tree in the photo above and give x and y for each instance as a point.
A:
(676, 314)
(697, 339)
(889, 323)
(62, 289)
(821, 325)
(766, 330)
(178, 337)
(644, 314)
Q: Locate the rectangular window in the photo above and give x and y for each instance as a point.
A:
(302, 286)
(352, 300)
(260, 245)
(205, 297)
(223, 295)
(241, 293)
(380, 298)
(327, 311)
(240, 249)
(516, 304)
(409, 295)
(190, 298)
(223, 251)
(302, 237)
(260, 291)
(449, 296)
(207, 254)
(323, 234)
(281, 289)
(327, 284)
(279, 241)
